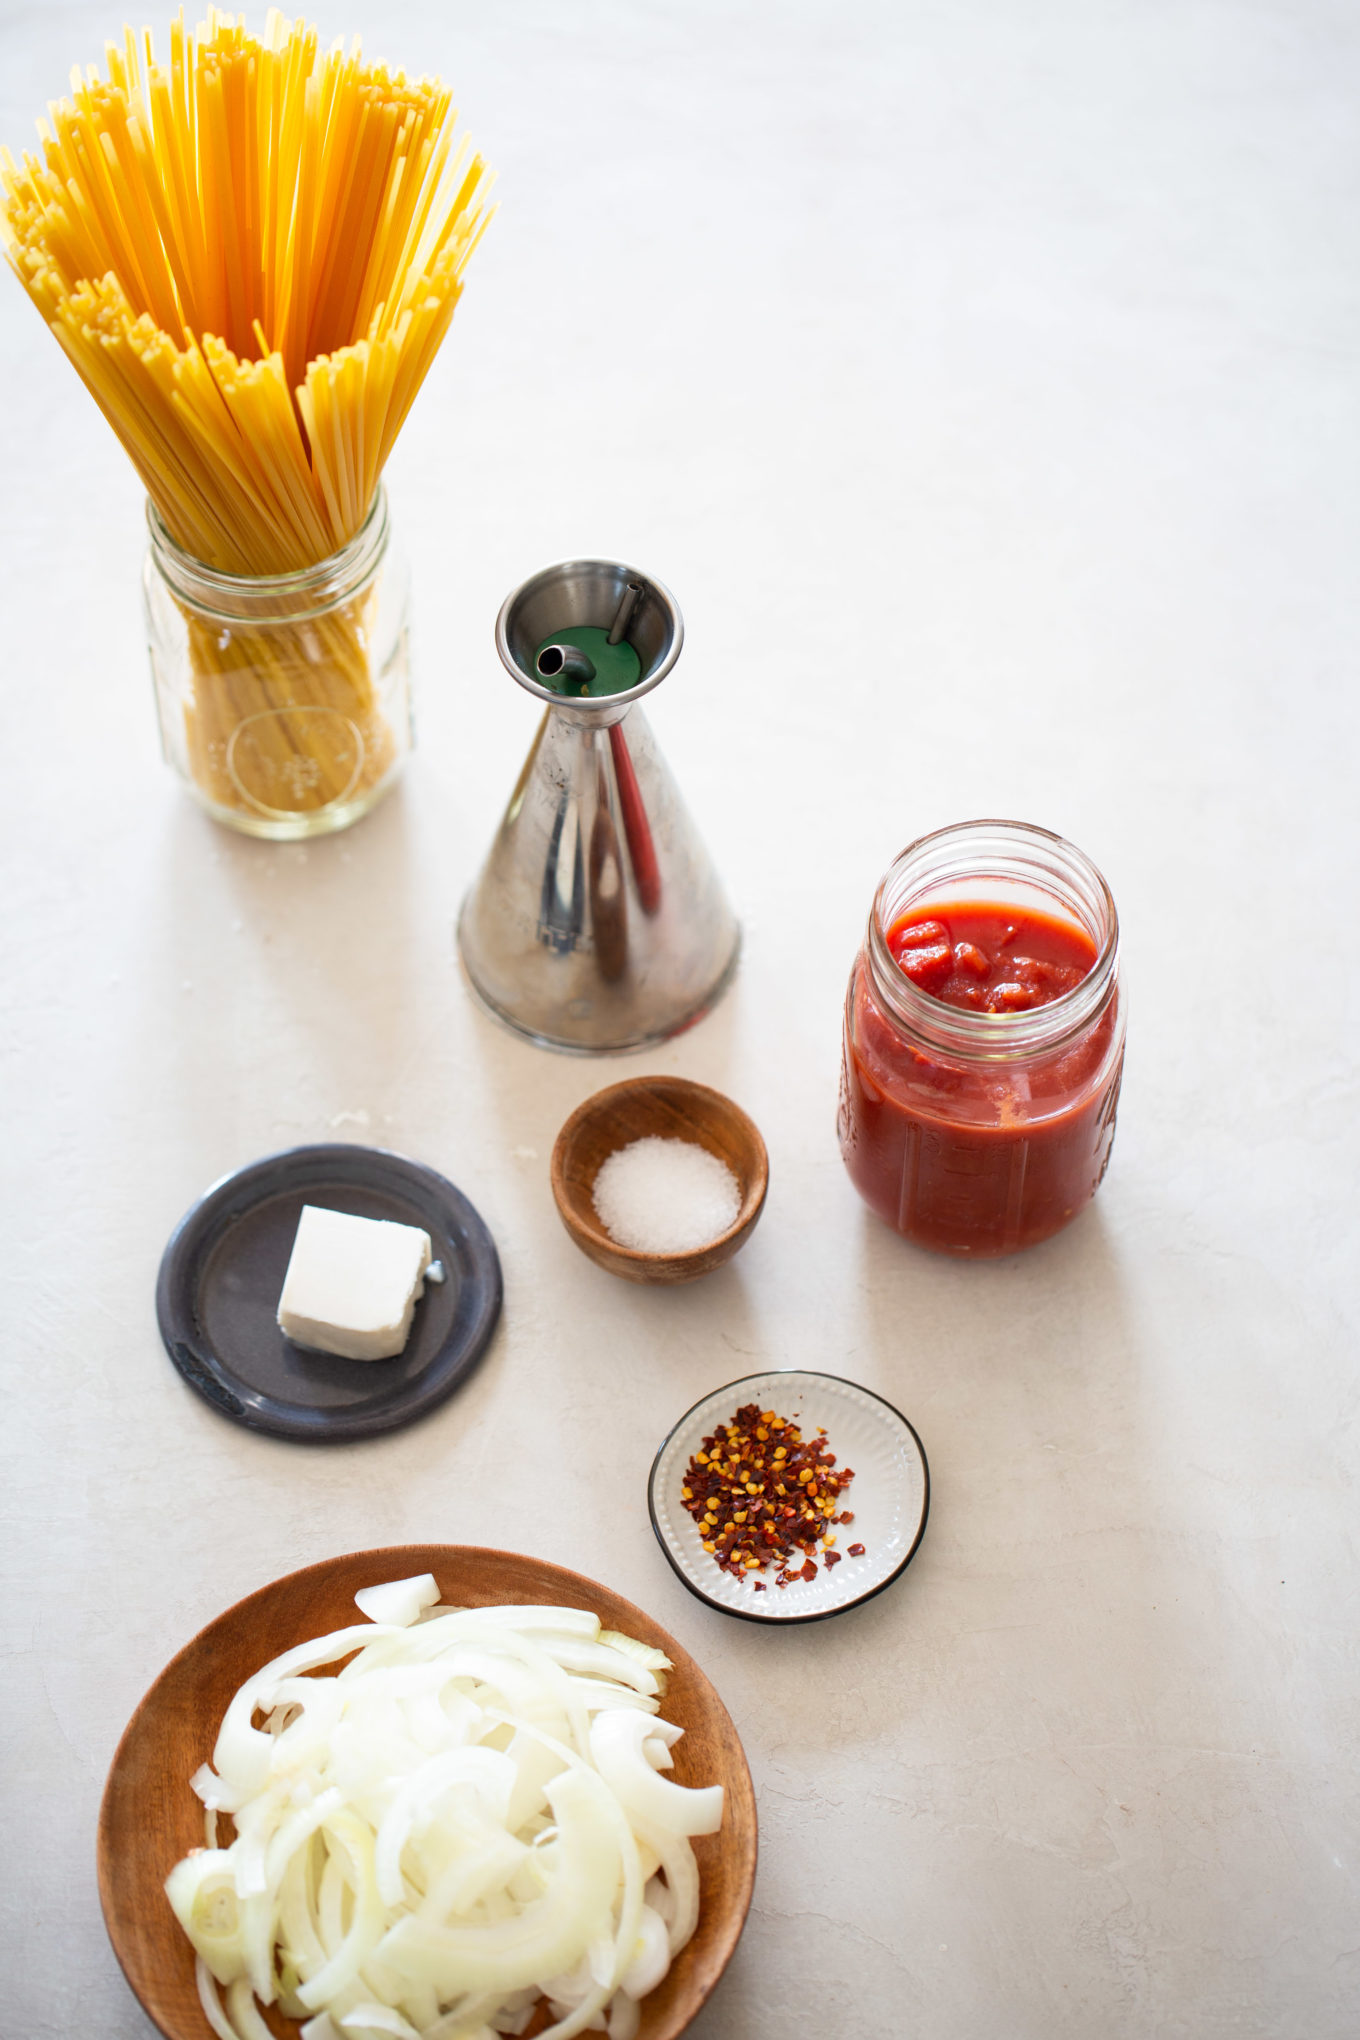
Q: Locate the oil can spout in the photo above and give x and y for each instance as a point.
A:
(564, 666)
(624, 611)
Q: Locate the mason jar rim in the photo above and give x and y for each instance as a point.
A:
(273, 598)
(1040, 858)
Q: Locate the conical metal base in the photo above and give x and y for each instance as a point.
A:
(598, 922)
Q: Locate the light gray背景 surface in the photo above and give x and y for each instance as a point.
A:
(983, 380)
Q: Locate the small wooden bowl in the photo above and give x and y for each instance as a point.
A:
(667, 1108)
(150, 1816)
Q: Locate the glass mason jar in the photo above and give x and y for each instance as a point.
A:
(283, 699)
(970, 1131)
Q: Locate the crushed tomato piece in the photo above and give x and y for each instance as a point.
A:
(763, 1494)
(966, 959)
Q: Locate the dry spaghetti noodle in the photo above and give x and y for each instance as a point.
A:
(251, 256)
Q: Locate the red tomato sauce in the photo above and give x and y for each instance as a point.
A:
(991, 959)
(979, 1157)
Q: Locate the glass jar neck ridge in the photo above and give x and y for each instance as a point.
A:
(274, 598)
(997, 853)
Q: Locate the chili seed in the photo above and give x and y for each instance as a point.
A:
(741, 1464)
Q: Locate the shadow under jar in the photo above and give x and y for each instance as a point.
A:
(982, 1127)
(283, 698)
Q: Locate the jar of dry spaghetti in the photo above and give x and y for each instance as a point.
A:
(284, 699)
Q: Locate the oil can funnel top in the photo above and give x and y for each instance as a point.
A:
(589, 593)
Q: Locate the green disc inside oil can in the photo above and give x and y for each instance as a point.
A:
(617, 667)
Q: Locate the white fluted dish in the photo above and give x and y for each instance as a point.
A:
(889, 1496)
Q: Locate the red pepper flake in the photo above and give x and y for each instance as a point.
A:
(831, 1558)
(856, 1551)
(762, 1493)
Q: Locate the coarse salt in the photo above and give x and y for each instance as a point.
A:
(665, 1196)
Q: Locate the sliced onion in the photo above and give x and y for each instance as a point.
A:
(652, 1957)
(202, 1894)
(625, 2017)
(399, 1601)
(549, 1932)
(645, 1653)
(617, 1743)
(465, 1817)
(366, 2020)
(242, 2012)
(682, 1886)
(211, 2003)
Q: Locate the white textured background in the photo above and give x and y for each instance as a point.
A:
(983, 379)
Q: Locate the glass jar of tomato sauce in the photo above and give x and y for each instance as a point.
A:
(984, 1040)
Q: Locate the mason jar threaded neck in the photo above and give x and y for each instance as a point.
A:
(1006, 862)
(304, 593)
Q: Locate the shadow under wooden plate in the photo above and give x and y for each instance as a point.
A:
(150, 1817)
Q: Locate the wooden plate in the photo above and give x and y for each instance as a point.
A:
(150, 1817)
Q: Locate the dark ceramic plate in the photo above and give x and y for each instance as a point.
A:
(222, 1272)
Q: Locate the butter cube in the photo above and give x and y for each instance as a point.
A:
(353, 1284)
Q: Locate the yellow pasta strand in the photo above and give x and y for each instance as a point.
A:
(250, 256)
